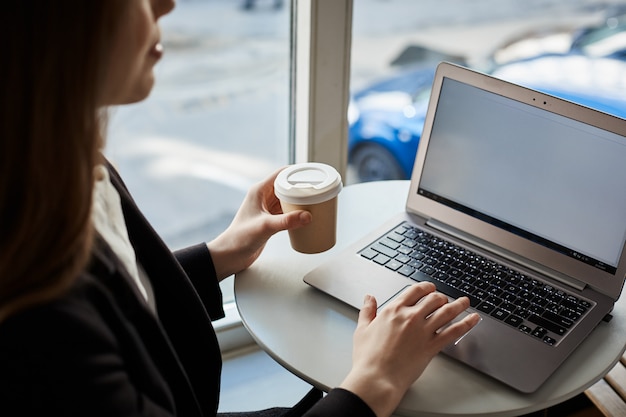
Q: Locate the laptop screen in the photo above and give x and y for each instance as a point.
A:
(556, 181)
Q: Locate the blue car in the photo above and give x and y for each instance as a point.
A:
(386, 119)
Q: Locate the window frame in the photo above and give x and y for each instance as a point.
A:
(321, 43)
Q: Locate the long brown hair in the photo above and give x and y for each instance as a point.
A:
(54, 53)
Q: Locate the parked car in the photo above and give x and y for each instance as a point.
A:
(386, 119)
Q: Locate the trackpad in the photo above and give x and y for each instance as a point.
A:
(393, 297)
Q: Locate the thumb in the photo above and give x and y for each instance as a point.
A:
(368, 311)
(295, 219)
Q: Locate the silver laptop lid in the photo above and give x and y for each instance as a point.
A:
(541, 179)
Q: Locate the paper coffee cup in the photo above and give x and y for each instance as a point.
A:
(313, 187)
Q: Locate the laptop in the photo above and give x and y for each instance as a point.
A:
(518, 201)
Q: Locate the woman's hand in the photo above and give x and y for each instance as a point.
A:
(392, 349)
(259, 217)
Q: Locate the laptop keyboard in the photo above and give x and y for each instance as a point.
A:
(527, 304)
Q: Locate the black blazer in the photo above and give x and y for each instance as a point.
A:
(99, 350)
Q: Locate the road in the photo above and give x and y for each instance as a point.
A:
(217, 120)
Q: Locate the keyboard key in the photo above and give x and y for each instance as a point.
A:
(493, 290)
(510, 307)
(453, 282)
(400, 230)
(456, 273)
(411, 234)
(539, 332)
(526, 285)
(415, 264)
(570, 302)
(514, 320)
(403, 258)
(507, 296)
(555, 308)
(417, 255)
(446, 259)
(547, 324)
(500, 314)
(562, 321)
(498, 282)
(467, 287)
(441, 276)
(537, 309)
(483, 285)
(480, 293)
(554, 298)
(384, 250)
(491, 299)
(430, 261)
(422, 248)
(526, 295)
(572, 315)
(396, 237)
(428, 270)
(409, 243)
(381, 259)
(369, 253)
(525, 329)
(391, 244)
(435, 254)
(501, 274)
(394, 265)
(406, 270)
(404, 250)
(486, 307)
(549, 341)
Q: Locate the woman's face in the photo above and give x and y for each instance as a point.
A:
(136, 49)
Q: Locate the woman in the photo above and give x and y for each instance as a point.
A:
(97, 316)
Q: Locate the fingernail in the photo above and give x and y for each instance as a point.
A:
(305, 217)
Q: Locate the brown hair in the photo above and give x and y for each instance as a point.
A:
(54, 53)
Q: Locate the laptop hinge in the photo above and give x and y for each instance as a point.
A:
(491, 248)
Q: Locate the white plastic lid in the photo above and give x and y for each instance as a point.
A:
(307, 183)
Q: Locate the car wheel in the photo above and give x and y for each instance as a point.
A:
(375, 163)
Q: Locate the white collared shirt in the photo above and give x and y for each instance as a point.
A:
(108, 219)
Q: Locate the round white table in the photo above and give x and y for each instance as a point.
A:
(310, 333)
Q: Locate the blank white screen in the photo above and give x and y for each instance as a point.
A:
(551, 176)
